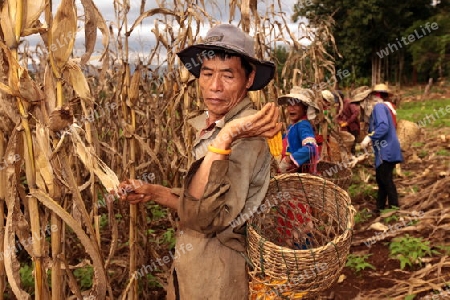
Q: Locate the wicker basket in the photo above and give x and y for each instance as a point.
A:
(336, 173)
(299, 238)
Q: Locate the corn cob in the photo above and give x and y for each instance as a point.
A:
(275, 145)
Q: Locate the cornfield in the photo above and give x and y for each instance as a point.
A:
(71, 130)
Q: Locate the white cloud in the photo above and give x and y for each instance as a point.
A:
(142, 40)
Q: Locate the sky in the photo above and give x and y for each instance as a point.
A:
(142, 40)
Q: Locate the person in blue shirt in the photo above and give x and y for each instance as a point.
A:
(300, 152)
(386, 146)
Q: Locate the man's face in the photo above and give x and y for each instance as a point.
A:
(223, 84)
(296, 112)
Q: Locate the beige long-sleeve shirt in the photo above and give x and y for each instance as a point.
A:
(212, 227)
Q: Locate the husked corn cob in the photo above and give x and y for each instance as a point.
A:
(275, 145)
(272, 288)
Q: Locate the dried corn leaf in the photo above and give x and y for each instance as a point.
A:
(75, 77)
(7, 25)
(49, 89)
(149, 151)
(32, 10)
(90, 29)
(7, 90)
(8, 114)
(93, 163)
(37, 28)
(60, 119)
(28, 89)
(44, 170)
(12, 265)
(101, 24)
(63, 32)
(152, 12)
(14, 67)
(245, 15)
(100, 280)
(2, 171)
(133, 93)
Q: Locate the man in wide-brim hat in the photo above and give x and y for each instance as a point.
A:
(231, 174)
(228, 39)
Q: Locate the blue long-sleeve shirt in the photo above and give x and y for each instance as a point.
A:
(302, 145)
(383, 134)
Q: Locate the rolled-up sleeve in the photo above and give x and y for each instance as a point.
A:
(232, 183)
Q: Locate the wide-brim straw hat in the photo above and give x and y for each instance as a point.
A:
(382, 88)
(298, 95)
(328, 96)
(360, 93)
(228, 38)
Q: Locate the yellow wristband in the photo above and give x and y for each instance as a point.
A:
(218, 151)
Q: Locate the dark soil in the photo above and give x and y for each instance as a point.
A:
(387, 272)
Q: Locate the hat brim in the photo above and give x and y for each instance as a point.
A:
(193, 55)
(293, 99)
(383, 91)
(361, 96)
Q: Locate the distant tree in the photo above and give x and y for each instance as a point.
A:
(363, 28)
(431, 54)
(280, 55)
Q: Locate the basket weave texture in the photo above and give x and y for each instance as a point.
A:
(299, 238)
(336, 173)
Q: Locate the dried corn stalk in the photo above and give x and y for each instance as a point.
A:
(148, 134)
